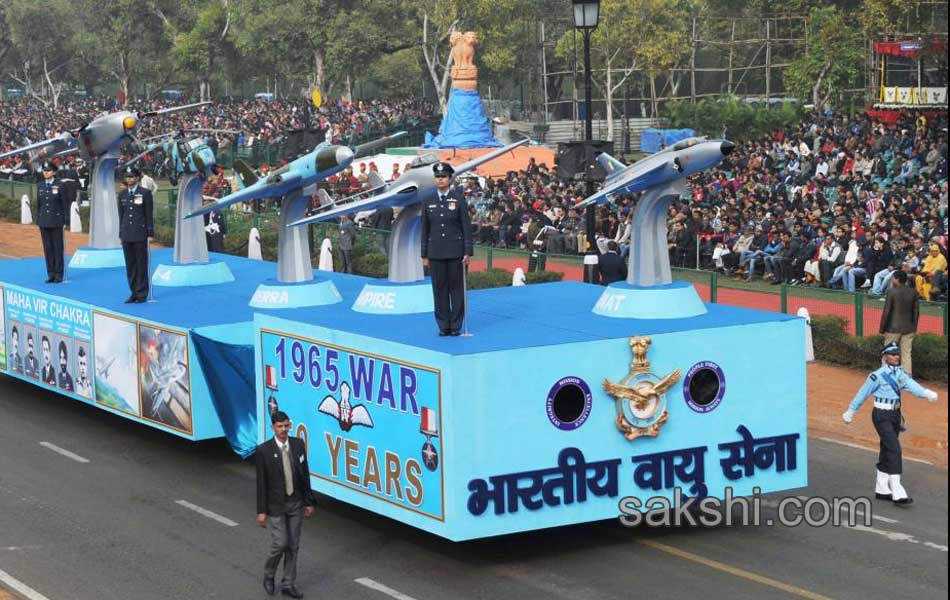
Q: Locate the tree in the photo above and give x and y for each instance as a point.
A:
(199, 37)
(125, 38)
(882, 18)
(45, 57)
(633, 36)
(832, 60)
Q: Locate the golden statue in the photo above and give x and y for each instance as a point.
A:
(464, 72)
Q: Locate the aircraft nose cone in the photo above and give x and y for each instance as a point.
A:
(726, 147)
(344, 155)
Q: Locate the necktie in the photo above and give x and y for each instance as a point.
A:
(288, 475)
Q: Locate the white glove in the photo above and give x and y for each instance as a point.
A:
(930, 395)
(848, 416)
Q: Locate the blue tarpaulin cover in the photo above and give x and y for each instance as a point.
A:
(465, 124)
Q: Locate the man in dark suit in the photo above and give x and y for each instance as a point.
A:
(135, 229)
(283, 497)
(900, 316)
(611, 266)
(447, 249)
(53, 205)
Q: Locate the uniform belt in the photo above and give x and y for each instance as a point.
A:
(887, 403)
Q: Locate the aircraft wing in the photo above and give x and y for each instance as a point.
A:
(65, 138)
(468, 166)
(623, 185)
(363, 149)
(165, 111)
(354, 204)
(259, 191)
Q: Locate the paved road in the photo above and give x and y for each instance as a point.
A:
(119, 527)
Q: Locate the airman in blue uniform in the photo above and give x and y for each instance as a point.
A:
(135, 229)
(53, 199)
(885, 385)
(446, 249)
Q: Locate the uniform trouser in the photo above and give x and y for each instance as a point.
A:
(888, 426)
(447, 292)
(136, 267)
(347, 266)
(284, 532)
(53, 251)
(906, 342)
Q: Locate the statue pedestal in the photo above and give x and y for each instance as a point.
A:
(97, 258)
(175, 275)
(676, 300)
(273, 294)
(395, 298)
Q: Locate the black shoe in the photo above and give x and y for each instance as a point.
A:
(904, 501)
(455, 333)
(130, 300)
(269, 585)
(140, 300)
(291, 591)
(49, 280)
(443, 332)
(882, 496)
(57, 280)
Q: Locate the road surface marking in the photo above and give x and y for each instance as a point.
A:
(375, 585)
(206, 513)
(64, 452)
(20, 587)
(875, 450)
(742, 573)
(896, 536)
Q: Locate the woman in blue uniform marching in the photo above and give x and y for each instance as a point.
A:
(885, 385)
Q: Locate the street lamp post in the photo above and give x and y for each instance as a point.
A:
(586, 16)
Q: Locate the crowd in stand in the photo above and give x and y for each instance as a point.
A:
(833, 201)
(249, 122)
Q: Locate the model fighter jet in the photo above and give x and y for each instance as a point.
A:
(318, 164)
(662, 178)
(102, 134)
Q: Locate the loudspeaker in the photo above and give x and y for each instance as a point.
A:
(573, 159)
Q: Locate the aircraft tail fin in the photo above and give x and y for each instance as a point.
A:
(245, 175)
(610, 165)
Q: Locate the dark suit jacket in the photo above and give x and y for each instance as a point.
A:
(901, 310)
(270, 476)
(611, 268)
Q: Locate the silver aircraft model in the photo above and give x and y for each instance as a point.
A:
(293, 243)
(409, 192)
(101, 140)
(662, 178)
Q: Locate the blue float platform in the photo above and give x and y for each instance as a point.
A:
(508, 430)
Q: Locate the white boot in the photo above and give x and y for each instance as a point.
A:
(898, 493)
(882, 490)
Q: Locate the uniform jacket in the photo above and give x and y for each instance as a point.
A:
(271, 493)
(135, 215)
(347, 235)
(877, 385)
(446, 227)
(53, 201)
